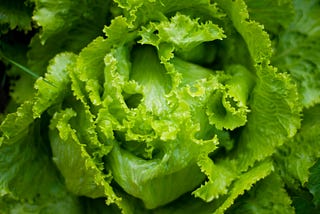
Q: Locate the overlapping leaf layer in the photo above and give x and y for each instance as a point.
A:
(162, 107)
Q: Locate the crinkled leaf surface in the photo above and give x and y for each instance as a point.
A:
(299, 155)
(166, 107)
(27, 156)
(298, 49)
(267, 195)
(313, 183)
(274, 15)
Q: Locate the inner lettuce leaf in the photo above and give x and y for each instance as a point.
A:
(175, 108)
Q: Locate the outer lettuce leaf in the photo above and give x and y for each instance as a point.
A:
(302, 201)
(26, 155)
(62, 17)
(306, 199)
(258, 45)
(300, 154)
(20, 89)
(314, 184)
(50, 92)
(64, 26)
(15, 15)
(29, 153)
(243, 184)
(51, 88)
(268, 195)
(272, 88)
(297, 51)
(274, 15)
(16, 123)
(274, 96)
(86, 179)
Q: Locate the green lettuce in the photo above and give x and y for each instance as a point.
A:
(161, 107)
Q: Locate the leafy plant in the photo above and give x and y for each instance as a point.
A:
(160, 106)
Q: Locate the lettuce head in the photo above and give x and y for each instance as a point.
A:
(147, 106)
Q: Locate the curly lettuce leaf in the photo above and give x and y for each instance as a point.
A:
(140, 12)
(241, 186)
(86, 179)
(258, 139)
(244, 183)
(259, 45)
(232, 111)
(181, 32)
